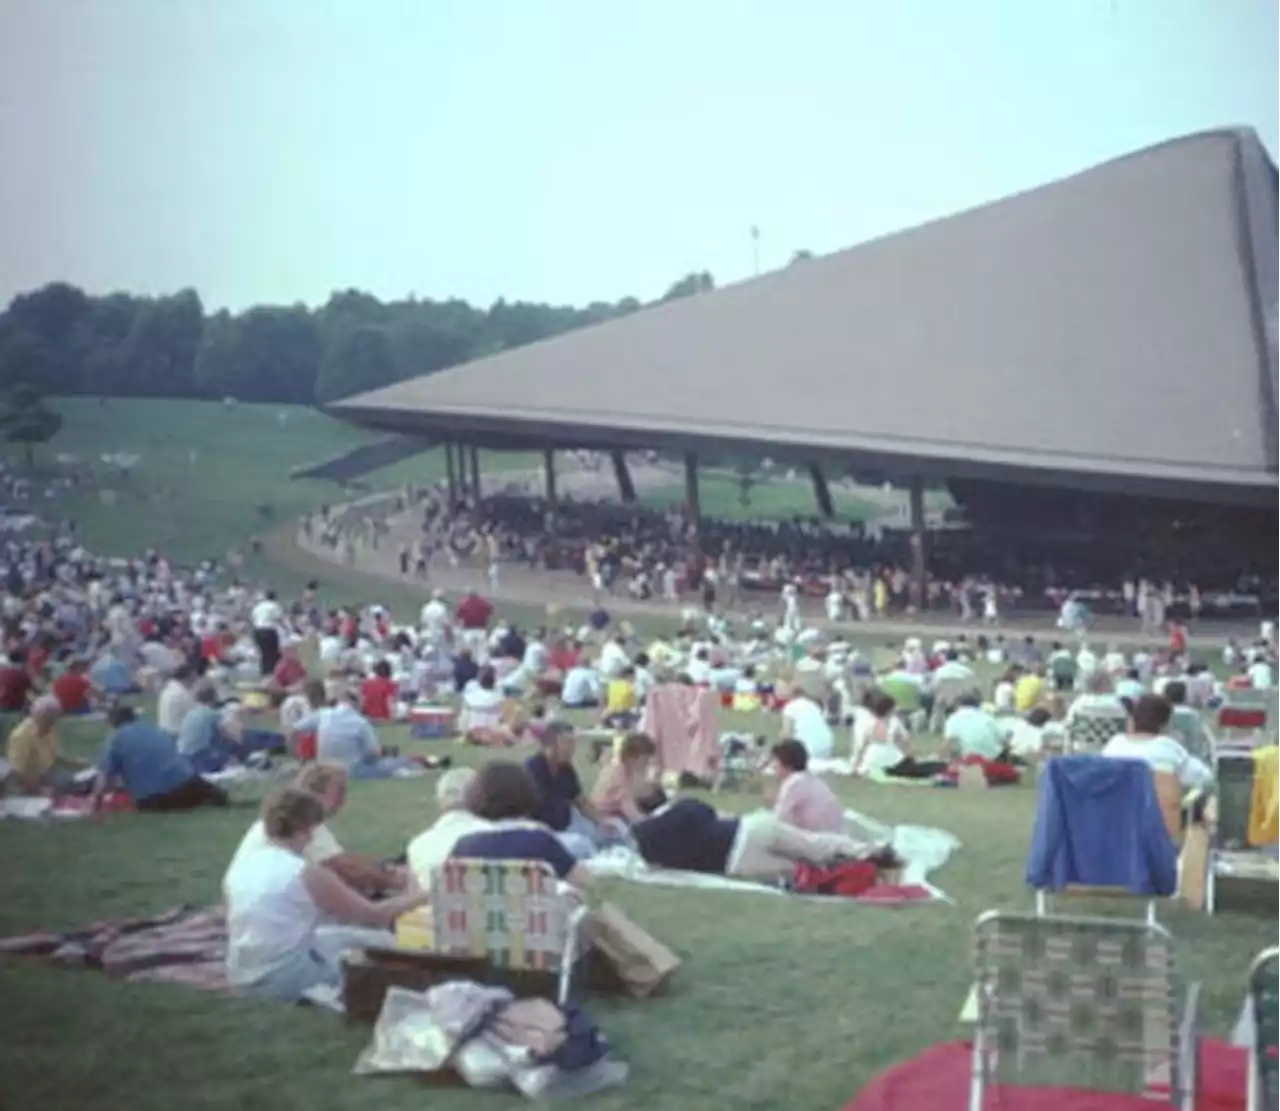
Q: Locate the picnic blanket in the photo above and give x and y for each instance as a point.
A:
(37, 807)
(923, 850)
(186, 945)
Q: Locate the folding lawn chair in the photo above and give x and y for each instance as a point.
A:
(1081, 1003)
(508, 912)
(1230, 853)
(1089, 728)
(1264, 1005)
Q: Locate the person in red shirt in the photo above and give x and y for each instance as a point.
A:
(15, 683)
(474, 612)
(290, 672)
(73, 690)
(1177, 640)
(378, 693)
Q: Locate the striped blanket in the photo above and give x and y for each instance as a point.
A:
(185, 945)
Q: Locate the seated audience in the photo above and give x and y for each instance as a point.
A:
(482, 711)
(581, 688)
(1026, 738)
(144, 760)
(1029, 689)
(1147, 740)
(621, 705)
(1185, 723)
(16, 686)
(803, 800)
(622, 779)
(505, 795)
(200, 736)
(971, 731)
(290, 672)
(36, 765)
(73, 688)
(803, 720)
(881, 742)
(689, 835)
(378, 693)
(561, 805)
(1099, 697)
(345, 736)
(432, 847)
(328, 782)
(289, 919)
(175, 701)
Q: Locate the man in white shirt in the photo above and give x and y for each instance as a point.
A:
(581, 687)
(435, 614)
(432, 847)
(1260, 675)
(804, 721)
(175, 701)
(266, 618)
(1146, 741)
(613, 659)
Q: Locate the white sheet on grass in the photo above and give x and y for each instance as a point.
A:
(923, 849)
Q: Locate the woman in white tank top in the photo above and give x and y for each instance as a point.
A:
(289, 921)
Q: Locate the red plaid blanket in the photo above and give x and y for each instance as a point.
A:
(185, 945)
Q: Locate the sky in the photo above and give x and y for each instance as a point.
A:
(272, 151)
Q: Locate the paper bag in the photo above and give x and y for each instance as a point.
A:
(640, 961)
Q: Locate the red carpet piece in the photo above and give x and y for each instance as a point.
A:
(938, 1080)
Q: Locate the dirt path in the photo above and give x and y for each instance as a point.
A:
(560, 591)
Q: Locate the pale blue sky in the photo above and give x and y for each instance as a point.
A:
(564, 150)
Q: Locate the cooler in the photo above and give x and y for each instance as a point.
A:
(432, 723)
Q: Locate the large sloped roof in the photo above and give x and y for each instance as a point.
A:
(1120, 322)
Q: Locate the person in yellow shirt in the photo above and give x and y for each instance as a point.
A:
(620, 703)
(1028, 691)
(35, 762)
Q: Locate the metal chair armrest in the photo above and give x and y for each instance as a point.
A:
(1188, 1052)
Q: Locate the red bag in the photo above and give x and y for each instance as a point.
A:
(848, 879)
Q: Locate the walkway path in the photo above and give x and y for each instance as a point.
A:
(561, 591)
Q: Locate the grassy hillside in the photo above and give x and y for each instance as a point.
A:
(204, 469)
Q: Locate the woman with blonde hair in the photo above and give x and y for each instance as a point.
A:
(289, 921)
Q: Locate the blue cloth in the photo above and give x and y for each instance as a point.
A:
(519, 843)
(1098, 823)
(112, 676)
(146, 760)
(558, 789)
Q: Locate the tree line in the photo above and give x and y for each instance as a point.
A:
(60, 340)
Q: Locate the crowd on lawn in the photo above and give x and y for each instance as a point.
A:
(241, 678)
(860, 570)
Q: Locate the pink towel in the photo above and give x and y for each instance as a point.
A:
(683, 724)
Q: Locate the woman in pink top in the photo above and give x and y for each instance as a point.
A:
(804, 801)
(614, 794)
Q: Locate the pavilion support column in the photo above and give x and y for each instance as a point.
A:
(626, 488)
(821, 491)
(549, 466)
(451, 472)
(474, 452)
(693, 507)
(918, 589)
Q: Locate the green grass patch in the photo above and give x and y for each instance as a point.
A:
(204, 470)
(779, 1004)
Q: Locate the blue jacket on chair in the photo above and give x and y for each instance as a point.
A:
(1098, 823)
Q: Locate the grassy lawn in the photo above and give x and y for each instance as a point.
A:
(778, 1005)
(720, 495)
(204, 469)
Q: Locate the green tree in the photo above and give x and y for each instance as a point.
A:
(357, 361)
(25, 419)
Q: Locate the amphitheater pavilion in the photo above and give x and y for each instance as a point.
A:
(1110, 335)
